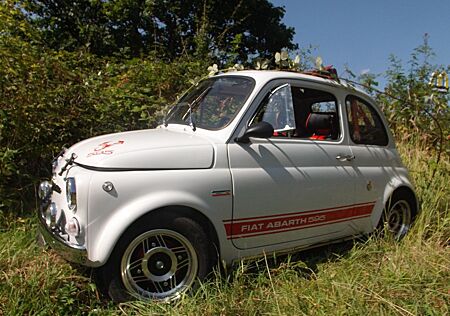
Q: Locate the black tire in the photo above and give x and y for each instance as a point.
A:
(398, 215)
(157, 258)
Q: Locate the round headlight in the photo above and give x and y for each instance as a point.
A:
(71, 194)
(45, 189)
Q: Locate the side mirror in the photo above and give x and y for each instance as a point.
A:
(258, 130)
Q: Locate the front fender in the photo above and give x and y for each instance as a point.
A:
(102, 242)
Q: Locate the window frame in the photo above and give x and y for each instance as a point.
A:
(375, 116)
(274, 84)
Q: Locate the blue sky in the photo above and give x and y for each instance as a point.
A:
(363, 33)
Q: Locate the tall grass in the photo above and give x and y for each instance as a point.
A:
(374, 276)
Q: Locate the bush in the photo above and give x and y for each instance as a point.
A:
(50, 99)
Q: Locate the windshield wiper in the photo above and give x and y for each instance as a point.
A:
(191, 106)
(191, 120)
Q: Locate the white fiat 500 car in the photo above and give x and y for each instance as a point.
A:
(246, 163)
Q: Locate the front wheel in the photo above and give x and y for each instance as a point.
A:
(158, 262)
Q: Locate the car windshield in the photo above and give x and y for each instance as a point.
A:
(212, 104)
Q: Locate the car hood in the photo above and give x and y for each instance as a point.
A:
(145, 149)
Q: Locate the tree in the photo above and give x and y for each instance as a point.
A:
(229, 30)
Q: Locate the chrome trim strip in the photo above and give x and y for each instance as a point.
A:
(124, 169)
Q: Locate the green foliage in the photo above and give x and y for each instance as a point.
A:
(135, 94)
(411, 110)
(54, 98)
(411, 105)
(231, 30)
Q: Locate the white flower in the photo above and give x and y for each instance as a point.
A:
(277, 58)
(213, 70)
(262, 64)
(319, 63)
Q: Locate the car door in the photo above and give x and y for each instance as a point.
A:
(374, 156)
(295, 186)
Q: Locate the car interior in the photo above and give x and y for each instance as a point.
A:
(315, 114)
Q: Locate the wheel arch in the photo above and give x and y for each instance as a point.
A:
(396, 185)
(113, 277)
(185, 211)
(105, 246)
(394, 190)
(410, 192)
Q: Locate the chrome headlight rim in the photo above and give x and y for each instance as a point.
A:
(71, 194)
(50, 215)
(45, 189)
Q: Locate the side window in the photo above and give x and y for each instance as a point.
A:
(364, 123)
(300, 112)
(278, 109)
(316, 114)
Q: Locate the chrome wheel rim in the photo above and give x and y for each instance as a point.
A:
(159, 264)
(399, 219)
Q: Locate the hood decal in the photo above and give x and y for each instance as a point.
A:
(103, 148)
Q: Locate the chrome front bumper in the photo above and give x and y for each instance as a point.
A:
(51, 237)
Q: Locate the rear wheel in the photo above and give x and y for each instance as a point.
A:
(158, 262)
(399, 215)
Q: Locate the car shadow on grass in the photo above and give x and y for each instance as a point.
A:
(305, 262)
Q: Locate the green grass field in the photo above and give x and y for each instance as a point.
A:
(364, 277)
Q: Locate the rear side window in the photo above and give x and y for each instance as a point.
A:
(365, 124)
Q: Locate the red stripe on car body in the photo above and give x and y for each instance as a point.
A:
(300, 212)
(262, 225)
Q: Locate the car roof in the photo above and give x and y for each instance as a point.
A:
(268, 75)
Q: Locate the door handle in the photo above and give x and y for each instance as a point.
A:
(345, 157)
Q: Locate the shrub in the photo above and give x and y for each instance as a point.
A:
(54, 98)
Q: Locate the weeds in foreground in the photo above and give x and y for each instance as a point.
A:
(375, 276)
